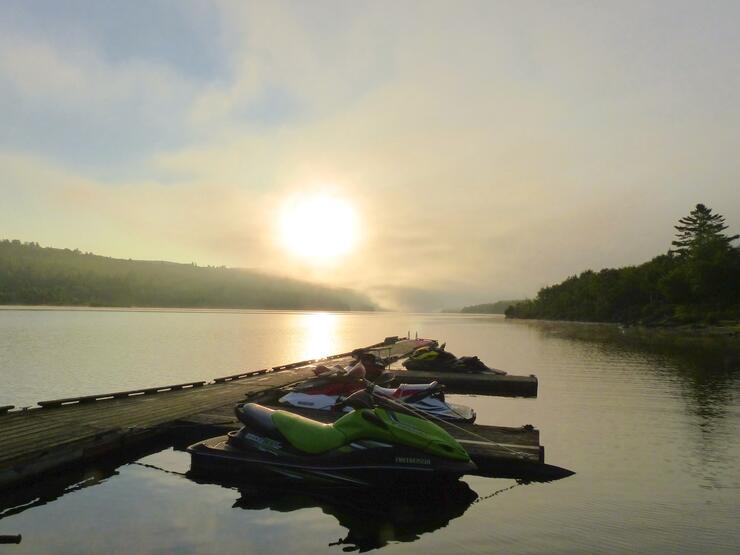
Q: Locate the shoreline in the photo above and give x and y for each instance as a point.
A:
(726, 330)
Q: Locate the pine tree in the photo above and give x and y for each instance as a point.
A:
(701, 228)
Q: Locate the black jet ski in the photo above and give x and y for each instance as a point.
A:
(437, 359)
(375, 443)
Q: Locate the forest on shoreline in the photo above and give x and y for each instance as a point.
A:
(498, 307)
(35, 275)
(697, 281)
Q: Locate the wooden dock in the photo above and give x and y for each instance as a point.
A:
(61, 432)
(477, 384)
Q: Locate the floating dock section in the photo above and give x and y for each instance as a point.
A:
(60, 432)
(475, 384)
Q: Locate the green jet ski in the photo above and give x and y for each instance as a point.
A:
(377, 443)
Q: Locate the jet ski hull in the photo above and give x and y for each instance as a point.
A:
(361, 464)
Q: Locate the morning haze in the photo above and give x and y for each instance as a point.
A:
(475, 154)
(265, 264)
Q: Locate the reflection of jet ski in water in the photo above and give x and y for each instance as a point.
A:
(378, 442)
(372, 517)
(333, 384)
(437, 359)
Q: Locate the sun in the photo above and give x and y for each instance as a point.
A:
(318, 227)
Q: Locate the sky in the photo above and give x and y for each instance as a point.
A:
(485, 149)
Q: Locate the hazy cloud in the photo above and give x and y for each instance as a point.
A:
(489, 148)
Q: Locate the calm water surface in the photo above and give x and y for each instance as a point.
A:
(649, 423)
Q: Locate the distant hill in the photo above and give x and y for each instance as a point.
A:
(34, 275)
(498, 307)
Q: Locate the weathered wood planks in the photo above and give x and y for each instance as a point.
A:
(67, 430)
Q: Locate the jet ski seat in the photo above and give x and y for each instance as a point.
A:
(302, 433)
(307, 435)
(259, 419)
(406, 388)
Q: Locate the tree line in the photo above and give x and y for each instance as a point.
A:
(698, 280)
(35, 275)
(499, 307)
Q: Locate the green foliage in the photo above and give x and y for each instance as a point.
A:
(701, 230)
(30, 274)
(499, 307)
(699, 281)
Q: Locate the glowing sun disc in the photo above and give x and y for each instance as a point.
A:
(318, 227)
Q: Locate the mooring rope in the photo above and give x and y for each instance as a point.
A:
(155, 467)
(497, 492)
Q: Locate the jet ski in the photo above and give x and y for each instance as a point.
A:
(437, 359)
(330, 387)
(376, 443)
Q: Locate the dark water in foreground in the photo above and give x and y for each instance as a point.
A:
(650, 424)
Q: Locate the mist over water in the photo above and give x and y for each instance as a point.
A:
(649, 422)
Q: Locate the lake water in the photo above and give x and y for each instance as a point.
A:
(649, 422)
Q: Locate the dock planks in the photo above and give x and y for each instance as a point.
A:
(40, 439)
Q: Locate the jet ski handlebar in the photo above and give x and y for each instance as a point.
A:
(368, 399)
(362, 399)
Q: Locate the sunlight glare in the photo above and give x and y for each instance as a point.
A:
(319, 334)
(318, 227)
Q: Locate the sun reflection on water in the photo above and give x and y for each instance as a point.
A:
(319, 334)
